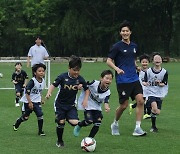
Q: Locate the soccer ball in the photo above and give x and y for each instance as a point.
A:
(88, 144)
(1, 75)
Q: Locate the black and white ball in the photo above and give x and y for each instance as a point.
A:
(88, 144)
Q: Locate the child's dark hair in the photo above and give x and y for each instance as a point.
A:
(144, 56)
(18, 63)
(36, 66)
(106, 72)
(125, 23)
(75, 62)
(155, 53)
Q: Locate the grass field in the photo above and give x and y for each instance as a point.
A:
(26, 140)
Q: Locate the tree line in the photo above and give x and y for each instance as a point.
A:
(88, 28)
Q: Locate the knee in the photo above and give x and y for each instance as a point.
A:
(60, 125)
(25, 118)
(73, 122)
(97, 123)
(18, 94)
(40, 117)
(88, 122)
(140, 102)
(122, 107)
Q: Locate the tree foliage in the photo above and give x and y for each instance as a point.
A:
(88, 28)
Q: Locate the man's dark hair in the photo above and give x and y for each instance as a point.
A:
(125, 23)
(75, 62)
(144, 56)
(36, 66)
(106, 72)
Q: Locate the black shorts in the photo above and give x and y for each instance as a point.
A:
(36, 108)
(154, 99)
(126, 90)
(19, 89)
(93, 115)
(67, 112)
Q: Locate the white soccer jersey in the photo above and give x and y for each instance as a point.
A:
(153, 89)
(35, 94)
(141, 79)
(96, 97)
(37, 53)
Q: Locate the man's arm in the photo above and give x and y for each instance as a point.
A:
(111, 64)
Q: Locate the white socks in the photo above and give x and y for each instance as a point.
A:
(138, 124)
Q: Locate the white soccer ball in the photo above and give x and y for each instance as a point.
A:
(88, 144)
(1, 75)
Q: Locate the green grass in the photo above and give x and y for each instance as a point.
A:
(26, 140)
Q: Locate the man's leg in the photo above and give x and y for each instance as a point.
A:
(139, 112)
(118, 114)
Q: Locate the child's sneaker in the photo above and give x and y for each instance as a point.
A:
(41, 133)
(60, 144)
(146, 116)
(76, 130)
(154, 129)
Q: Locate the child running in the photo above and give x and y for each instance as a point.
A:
(99, 93)
(64, 105)
(32, 98)
(19, 79)
(156, 80)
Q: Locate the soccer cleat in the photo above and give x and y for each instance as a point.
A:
(154, 129)
(41, 133)
(115, 129)
(60, 144)
(17, 105)
(139, 132)
(14, 128)
(146, 116)
(76, 130)
(130, 108)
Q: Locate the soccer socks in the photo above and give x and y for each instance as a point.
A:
(153, 119)
(18, 122)
(84, 123)
(138, 124)
(93, 131)
(40, 124)
(59, 131)
(17, 99)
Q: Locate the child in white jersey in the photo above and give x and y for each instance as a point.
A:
(99, 92)
(156, 81)
(32, 98)
(144, 60)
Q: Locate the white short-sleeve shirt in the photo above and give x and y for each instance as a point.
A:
(37, 54)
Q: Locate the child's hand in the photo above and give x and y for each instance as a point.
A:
(138, 68)
(30, 105)
(145, 83)
(84, 104)
(79, 86)
(106, 107)
(15, 82)
(24, 85)
(42, 101)
(48, 95)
